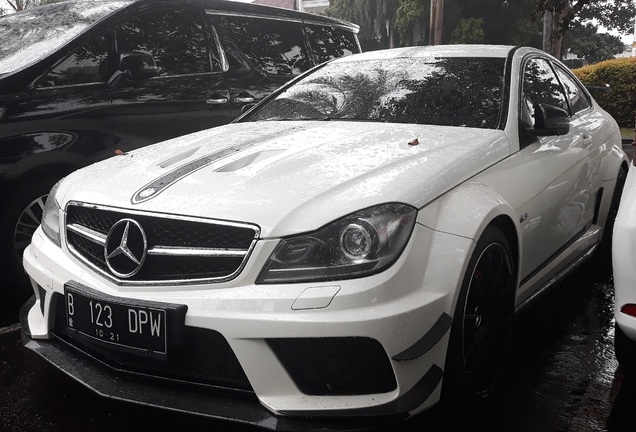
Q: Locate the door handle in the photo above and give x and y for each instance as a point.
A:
(216, 100)
(244, 99)
(587, 140)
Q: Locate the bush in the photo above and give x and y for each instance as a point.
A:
(620, 74)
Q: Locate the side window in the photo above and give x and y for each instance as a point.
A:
(176, 39)
(330, 42)
(274, 46)
(87, 65)
(576, 95)
(540, 85)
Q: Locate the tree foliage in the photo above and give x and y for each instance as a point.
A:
(410, 14)
(468, 30)
(376, 19)
(586, 43)
(619, 74)
(20, 5)
(611, 14)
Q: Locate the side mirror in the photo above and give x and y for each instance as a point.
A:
(599, 89)
(138, 65)
(550, 120)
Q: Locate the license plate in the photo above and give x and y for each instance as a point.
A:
(132, 325)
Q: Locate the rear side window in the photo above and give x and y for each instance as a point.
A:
(327, 43)
(577, 97)
(274, 46)
(176, 39)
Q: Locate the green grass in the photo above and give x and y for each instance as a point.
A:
(627, 132)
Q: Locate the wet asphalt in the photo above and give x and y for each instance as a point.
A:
(562, 376)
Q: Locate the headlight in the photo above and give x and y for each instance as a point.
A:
(361, 244)
(51, 216)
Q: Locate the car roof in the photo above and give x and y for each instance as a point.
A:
(494, 51)
(239, 8)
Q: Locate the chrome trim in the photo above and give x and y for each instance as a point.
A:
(196, 252)
(225, 65)
(65, 86)
(88, 234)
(353, 27)
(97, 237)
(252, 15)
(171, 216)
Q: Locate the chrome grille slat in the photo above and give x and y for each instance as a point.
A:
(202, 252)
(180, 250)
(88, 234)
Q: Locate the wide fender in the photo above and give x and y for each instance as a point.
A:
(467, 210)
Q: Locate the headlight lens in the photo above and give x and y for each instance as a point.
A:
(51, 216)
(360, 244)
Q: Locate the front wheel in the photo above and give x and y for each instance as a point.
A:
(482, 323)
(22, 216)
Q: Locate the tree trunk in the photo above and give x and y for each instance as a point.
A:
(547, 31)
(436, 31)
(19, 5)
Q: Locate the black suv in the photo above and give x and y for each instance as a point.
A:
(83, 80)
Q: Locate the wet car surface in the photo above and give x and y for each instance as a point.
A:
(563, 376)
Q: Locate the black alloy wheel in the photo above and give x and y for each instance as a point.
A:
(22, 215)
(28, 221)
(482, 324)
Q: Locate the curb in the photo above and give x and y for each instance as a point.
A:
(10, 333)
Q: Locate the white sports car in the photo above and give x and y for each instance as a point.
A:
(623, 257)
(356, 246)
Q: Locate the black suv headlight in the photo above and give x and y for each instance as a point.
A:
(360, 244)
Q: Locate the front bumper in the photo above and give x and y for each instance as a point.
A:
(396, 309)
(232, 406)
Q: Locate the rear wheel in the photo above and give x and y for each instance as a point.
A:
(19, 221)
(482, 322)
(625, 349)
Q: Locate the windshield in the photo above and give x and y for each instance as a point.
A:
(33, 34)
(437, 91)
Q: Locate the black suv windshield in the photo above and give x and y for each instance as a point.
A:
(438, 91)
(33, 34)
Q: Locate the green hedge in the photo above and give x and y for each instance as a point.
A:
(620, 74)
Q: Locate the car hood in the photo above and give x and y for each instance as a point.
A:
(289, 177)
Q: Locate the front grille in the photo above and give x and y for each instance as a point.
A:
(202, 356)
(180, 250)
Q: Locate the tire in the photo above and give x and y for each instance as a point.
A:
(22, 216)
(624, 349)
(482, 323)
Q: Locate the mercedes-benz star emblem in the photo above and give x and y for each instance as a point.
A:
(126, 248)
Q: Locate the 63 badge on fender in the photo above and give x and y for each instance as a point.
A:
(138, 327)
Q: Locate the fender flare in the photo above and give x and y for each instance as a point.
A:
(466, 211)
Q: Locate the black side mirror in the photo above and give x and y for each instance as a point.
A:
(600, 89)
(138, 65)
(550, 120)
